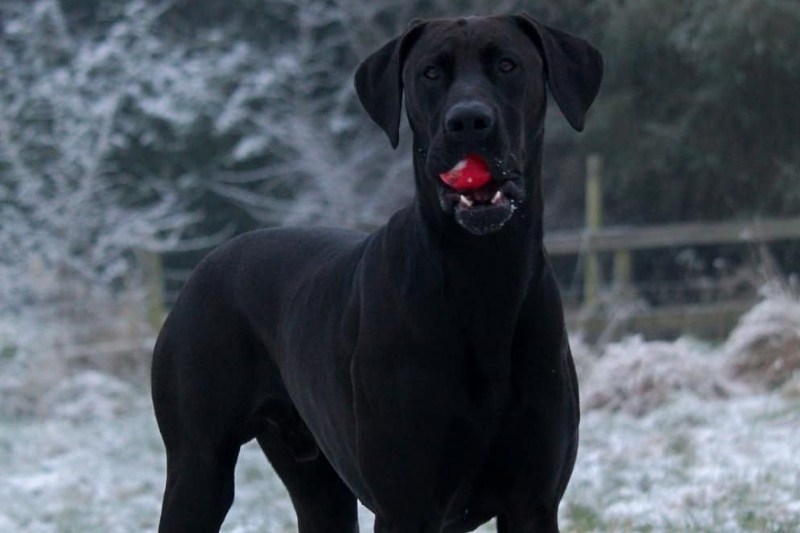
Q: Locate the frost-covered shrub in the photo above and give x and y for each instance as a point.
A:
(636, 376)
(105, 123)
(764, 348)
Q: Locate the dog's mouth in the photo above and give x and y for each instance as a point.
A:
(480, 203)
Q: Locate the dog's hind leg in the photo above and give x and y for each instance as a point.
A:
(202, 382)
(199, 490)
(201, 457)
(323, 503)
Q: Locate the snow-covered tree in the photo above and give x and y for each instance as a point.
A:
(81, 111)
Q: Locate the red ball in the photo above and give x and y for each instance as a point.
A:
(468, 175)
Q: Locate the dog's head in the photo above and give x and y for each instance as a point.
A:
(476, 87)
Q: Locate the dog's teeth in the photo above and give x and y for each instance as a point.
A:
(463, 200)
(458, 167)
(497, 197)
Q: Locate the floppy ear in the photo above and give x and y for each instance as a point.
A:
(379, 82)
(573, 67)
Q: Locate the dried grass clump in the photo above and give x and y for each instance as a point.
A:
(44, 349)
(637, 377)
(764, 348)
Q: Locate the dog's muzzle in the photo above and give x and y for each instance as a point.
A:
(485, 209)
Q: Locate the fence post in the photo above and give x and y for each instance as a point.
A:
(153, 274)
(622, 272)
(594, 220)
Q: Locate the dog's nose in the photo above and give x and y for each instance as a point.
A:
(469, 121)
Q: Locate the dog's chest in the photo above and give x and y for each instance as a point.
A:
(448, 354)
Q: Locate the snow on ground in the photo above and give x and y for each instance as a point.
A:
(675, 436)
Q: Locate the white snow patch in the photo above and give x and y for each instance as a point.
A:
(250, 147)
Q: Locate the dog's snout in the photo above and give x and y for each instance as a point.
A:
(469, 121)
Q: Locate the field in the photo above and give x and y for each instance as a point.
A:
(676, 436)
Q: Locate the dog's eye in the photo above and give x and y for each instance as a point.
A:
(432, 73)
(506, 65)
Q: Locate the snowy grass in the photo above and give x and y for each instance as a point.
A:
(673, 438)
(694, 465)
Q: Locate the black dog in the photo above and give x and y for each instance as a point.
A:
(423, 369)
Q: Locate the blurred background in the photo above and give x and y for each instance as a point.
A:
(136, 135)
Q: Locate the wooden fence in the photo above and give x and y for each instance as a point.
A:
(708, 319)
(713, 319)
